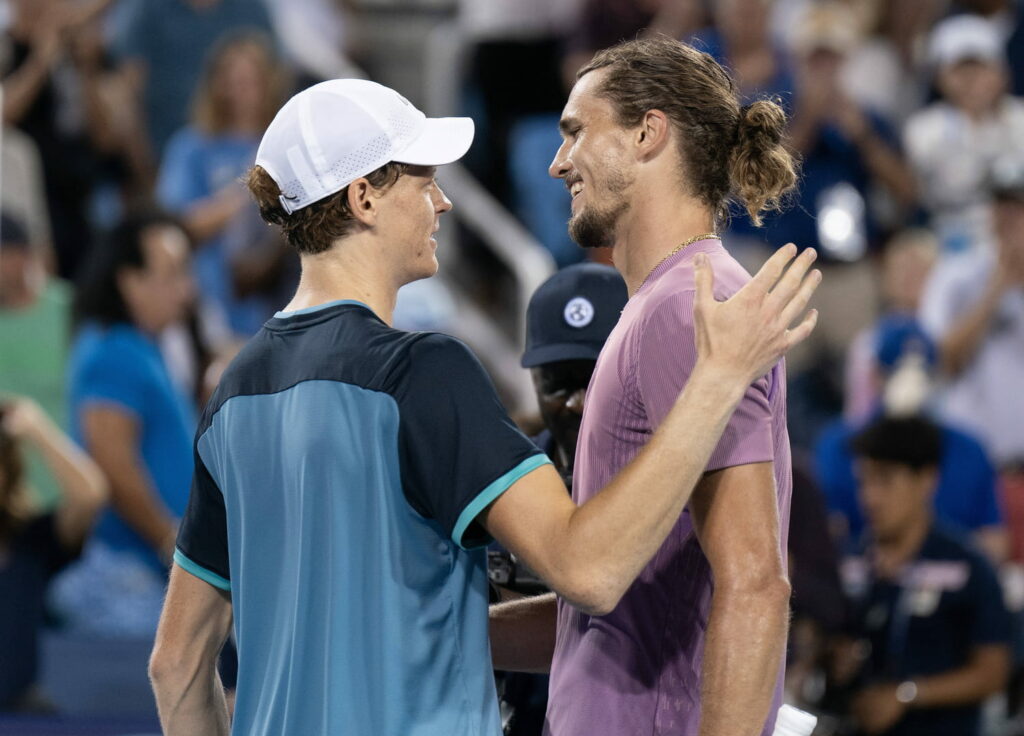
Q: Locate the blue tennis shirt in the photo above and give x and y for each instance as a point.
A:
(339, 469)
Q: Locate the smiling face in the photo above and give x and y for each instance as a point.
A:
(593, 163)
(410, 213)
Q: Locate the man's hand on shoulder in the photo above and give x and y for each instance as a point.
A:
(744, 336)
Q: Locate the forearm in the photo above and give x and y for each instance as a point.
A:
(192, 704)
(80, 479)
(968, 685)
(613, 534)
(135, 500)
(523, 634)
(886, 165)
(208, 217)
(22, 87)
(746, 642)
(960, 345)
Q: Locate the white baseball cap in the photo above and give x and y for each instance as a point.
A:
(964, 37)
(332, 133)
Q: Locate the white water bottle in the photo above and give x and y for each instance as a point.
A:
(793, 722)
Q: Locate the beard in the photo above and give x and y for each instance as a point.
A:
(595, 228)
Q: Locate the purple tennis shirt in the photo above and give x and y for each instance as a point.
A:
(637, 671)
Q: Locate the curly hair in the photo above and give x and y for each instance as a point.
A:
(314, 228)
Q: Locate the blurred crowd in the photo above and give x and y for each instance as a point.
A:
(133, 265)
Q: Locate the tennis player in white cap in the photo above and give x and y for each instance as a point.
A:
(348, 474)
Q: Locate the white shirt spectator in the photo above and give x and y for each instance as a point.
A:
(951, 156)
(986, 397)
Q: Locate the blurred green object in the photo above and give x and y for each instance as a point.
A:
(33, 357)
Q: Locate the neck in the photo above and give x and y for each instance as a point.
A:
(347, 272)
(895, 552)
(655, 225)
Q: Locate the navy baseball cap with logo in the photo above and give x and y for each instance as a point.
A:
(572, 313)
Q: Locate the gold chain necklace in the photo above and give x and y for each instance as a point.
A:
(691, 241)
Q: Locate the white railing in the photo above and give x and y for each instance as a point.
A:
(526, 260)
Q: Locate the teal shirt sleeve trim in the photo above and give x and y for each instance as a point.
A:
(491, 492)
(200, 572)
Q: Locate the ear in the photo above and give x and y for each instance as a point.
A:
(362, 201)
(653, 134)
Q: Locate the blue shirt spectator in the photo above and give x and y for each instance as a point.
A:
(169, 39)
(966, 493)
(197, 166)
(123, 366)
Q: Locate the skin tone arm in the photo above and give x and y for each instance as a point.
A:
(207, 217)
(193, 627)
(985, 674)
(112, 439)
(735, 516)
(591, 554)
(83, 487)
(960, 345)
(523, 633)
(22, 87)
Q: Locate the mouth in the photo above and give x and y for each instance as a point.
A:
(575, 187)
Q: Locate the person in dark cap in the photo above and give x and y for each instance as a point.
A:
(567, 322)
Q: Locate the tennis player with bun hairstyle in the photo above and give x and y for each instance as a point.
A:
(656, 146)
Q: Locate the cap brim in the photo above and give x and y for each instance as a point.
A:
(561, 351)
(442, 141)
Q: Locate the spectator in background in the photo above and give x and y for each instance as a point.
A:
(907, 261)
(953, 143)
(35, 328)
(741, 39)
(567, 322)
(22, 190)
(966, 493)
(51, 81)
(132, 420)
(886, 73)
(1008, 18)
(974, 309)
(241, 88)
(34, 545)
(162, 45)
(928, 608)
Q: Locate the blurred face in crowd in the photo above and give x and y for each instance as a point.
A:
(158, 294)
(905, 270)
(593, 163)
(21, 274)
(561, 389)
(895, 497)
(743, 22)
(410, 214)
(823, 63)
(973, 85)
(239, 82)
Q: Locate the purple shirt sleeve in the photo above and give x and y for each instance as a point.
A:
(666, 354)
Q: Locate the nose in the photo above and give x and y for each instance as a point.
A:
(442, 203)
(560, 165)
(576, 400)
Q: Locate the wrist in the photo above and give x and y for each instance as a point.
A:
(721, 385)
